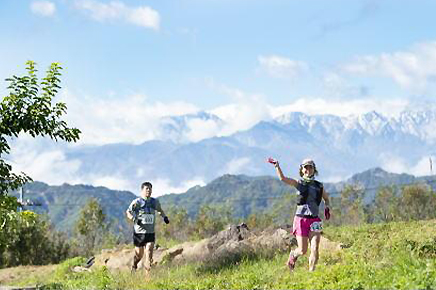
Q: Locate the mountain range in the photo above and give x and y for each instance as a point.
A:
(340, 146)
(241, 194)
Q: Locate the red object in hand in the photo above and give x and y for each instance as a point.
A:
(327, 213)
(272, 160)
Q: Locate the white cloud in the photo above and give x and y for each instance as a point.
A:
(393, 163)
(43, 8)
(244, 112)
(164, 186)
(422, 167)
(112, 182)
(133, 119)
(201, 129)
(411, 69)
(282, 67)
(236, 166)
(314, 106)
(397, 164)
(143, 16)
(50, 166)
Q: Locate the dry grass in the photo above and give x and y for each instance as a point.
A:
(12, 276)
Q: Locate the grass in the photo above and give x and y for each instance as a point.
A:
(399, 255)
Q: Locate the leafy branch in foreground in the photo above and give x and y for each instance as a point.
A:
(29, 108)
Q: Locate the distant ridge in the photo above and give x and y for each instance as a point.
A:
(241, 193)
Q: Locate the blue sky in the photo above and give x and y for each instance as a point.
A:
(186, 50)
(128, 63)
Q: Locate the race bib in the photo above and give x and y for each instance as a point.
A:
(147, 219)
(304, 209)
(316, 227)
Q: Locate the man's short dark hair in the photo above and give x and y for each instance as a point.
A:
(148, 184)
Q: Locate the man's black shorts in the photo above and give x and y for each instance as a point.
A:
(139, 240)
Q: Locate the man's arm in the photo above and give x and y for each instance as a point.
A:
(129, 212)
(129, 215)
(159, 208)
(161, 212)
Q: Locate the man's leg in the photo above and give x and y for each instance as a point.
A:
(301, 249)
(148, 255)
(315, 238)
(139, 252)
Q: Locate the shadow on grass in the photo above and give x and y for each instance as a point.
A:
(229, 259)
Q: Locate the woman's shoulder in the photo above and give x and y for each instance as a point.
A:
(319, 183)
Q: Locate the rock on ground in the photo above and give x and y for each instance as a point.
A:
(236, 239)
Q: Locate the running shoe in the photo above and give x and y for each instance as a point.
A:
(291, 263)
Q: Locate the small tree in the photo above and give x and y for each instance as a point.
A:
(211, 219)
(351, 209)
(417, 202)
(385, 207)
(180, 227)
(91, 227)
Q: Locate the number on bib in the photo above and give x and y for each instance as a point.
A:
(316, 227)
(147, 219)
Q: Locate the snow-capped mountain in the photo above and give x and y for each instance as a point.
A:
(341, 146)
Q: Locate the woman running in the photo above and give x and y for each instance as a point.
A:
(307, 226)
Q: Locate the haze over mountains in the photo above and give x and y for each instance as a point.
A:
(184, 156)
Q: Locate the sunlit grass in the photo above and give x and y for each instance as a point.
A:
(399, 255)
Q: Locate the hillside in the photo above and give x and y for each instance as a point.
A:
(400, 255)
(240, 193)
(62, 204)
(246, 194)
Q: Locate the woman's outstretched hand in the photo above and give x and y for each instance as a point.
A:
(272, 161)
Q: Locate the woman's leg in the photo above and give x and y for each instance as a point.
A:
(315, 238)
(301, 249)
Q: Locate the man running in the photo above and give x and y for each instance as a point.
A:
(307, 226)
(142, 212)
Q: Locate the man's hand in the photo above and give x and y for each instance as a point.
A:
(166, 220)
(134, 218)
(327, 213)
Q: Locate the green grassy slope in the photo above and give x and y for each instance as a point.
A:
(390, 256)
